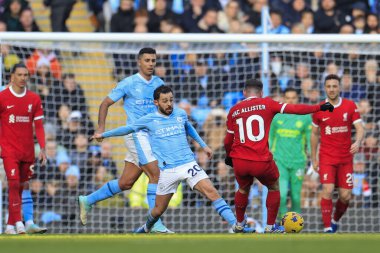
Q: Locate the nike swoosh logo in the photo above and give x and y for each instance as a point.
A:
(10, 106)
(324, 119)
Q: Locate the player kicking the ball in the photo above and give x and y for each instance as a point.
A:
(168, 128)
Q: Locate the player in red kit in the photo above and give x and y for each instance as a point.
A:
(335, 152)
(19, 109)
(247, 149)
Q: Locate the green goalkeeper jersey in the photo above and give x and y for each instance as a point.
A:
(289, 138)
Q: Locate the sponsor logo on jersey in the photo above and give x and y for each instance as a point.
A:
(20, 119)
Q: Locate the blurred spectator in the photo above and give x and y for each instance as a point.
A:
(372, 24)
(351, 90)
(10, 58)
(359, 8)
(365, 110)
(159, 13)
(193, 14)
(43, 82)
(371, 68)
(347, 29)
(208, 23)
(59, 13)
(3, 26)
(141, 21)
(231, 12)
(106, 158)
(310, 196)
(214, 128)
(276, 26)
(48, 54)
(97, 18)
(66, 137)
(359, 24)
(166, 26)
(254, 13)
(28, 22)
(123, 19)
(11, 15)
(298, 28)
(307, 19)
(302, 72)
(293, 11)
(307, 86)
(328, 18)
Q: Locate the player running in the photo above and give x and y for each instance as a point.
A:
(137, 93)
(247, 149)
(168, 128)
(336, 151)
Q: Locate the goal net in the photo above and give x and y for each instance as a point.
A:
(73, 77)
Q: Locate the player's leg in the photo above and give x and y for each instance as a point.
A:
(327, 175)
(129, 176)
(12, 171)
(284, 187)
(162, 202)
(296, 181)
(149, 165)
(242, 171)
(168, 182)
(268, 175)
(345, 184)
(26, 173)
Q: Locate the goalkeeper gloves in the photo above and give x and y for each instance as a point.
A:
(327, 106)
(228, 161)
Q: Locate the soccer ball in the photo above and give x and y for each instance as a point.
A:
(292, 222)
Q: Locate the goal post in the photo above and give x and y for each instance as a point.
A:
(207, 73)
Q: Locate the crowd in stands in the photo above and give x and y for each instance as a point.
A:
(205, 85)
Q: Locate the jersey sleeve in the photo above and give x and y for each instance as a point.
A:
(355, 114)
(230, 127)
(315, 120)
(276, 107)
(38, 111)
(119, 91)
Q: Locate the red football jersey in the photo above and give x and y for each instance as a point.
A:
(17, 113)
(249, 122)
(335, 131)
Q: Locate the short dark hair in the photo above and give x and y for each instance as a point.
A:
(16, 66)
(332, 77)
(254, 84)
(290, 89)
(163, 89)
(146, 50)
(68, 75)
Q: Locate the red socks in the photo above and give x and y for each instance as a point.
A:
(326, 208)
(340, 209)
(241, 202)
(273, 204)
(14, 202)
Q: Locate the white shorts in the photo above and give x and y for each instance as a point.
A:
(139, 149)
(170, 178)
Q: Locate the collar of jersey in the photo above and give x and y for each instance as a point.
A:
(250, 97)
(15, 94)
(143, 79)
(163, 116)
(339, 103)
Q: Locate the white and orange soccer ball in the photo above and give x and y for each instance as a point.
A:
(293, 222)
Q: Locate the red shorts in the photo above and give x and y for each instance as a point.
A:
(18, 170)
(338, 174)
(246, 170)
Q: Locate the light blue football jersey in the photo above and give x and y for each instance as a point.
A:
(137, 94)
(168, 137)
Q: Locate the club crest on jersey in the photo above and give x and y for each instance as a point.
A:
(11, 118)
(30, 108)
(345, 116)
(328, 130)
(179, 119)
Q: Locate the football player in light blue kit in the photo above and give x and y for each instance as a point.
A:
(137, 93)
(168, 129)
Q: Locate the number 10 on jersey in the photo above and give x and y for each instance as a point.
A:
(245, 128)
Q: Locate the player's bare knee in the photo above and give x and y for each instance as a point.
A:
(274, 187)
(125, 184)
(345, 197)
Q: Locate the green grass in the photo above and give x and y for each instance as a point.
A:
(192, 243)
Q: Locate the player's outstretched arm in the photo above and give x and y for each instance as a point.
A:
(306, 109)
(190, 131)
(103, 111)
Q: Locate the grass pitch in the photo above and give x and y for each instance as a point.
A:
(192, 243)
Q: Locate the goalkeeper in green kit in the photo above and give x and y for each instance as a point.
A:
(289, 140)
